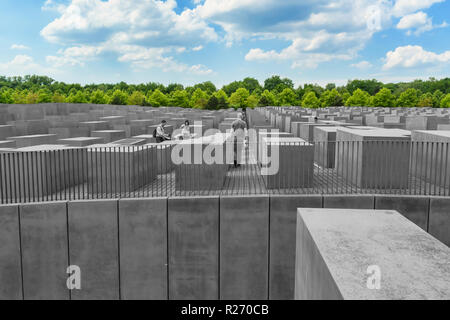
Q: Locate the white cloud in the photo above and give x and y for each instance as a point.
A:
(22, 65)
(130, 29)
(362, 65)
(19, 47)
(413, 56)
(317, 30)
(405, 7)
(198, 48)
(419, 21)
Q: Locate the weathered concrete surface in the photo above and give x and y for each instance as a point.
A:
(193, 248)
(244, 247)
(415, 208)
(283, 218)
(335, 247)
(10, 267)
(44, 251)
(349, 202)
(143, 248)
(93, 246)
(439, 223)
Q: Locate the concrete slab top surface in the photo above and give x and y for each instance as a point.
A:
(285, 140)
(377, 133)
(81, 139)
(45, 147)
(441, 133)
(33, 136)
(413, 264)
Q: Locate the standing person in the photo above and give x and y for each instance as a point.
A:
(238, 127)
(186, 130)
(160, 133)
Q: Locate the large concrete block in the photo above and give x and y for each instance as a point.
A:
(349, 202)
(244, 247)
(44, 251)
(120, 169)
(193, 248)
(10, 260)
(295, 163)
(94, 247)
(283, 218)
(338, 251)
(439, 219)
(143, 249)
(415, 208)
(376, 158)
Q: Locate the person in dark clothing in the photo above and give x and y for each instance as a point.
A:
(160, 133)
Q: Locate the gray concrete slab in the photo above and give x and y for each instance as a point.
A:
(143, 249)
(439, 220)
(10, 260)
(244, 247)
(93, 246)
(193, 248)
(44, 250)
(337, 247)
(283, 218)
(415, 208)
(348, 201)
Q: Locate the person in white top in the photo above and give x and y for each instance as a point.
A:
(186, 130)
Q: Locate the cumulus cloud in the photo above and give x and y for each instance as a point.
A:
(418, 21)
(362, 65)
(405, 7)
(22, 65)
(413, 56)
(92, 27)
(19, 47)
(318, 31)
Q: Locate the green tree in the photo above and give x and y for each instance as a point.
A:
(287, 97)
(239, 98)
(6, 96)
(437, 97)
(267, 99)
(359, 98)
(221, 94)
(158, 99)
(32, 98)
(44, 96)
(180, 98)
(331, 98)
(384, 98)
(310, 100)
(77, 96)
(252, 101)
(99, 97)
(199, 99)
(251, 84)
(425, 100)
(137, 98)
(445, 102)
(20, 96)
(207, 87)
(213, 103)
(223, 103)
(278, 84)
(231, 88)
(119, 97)
(408, 98)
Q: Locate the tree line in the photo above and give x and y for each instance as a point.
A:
(275, 91)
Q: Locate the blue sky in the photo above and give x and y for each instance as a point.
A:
(190, 41)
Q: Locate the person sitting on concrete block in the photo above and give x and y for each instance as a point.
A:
(160, 134)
